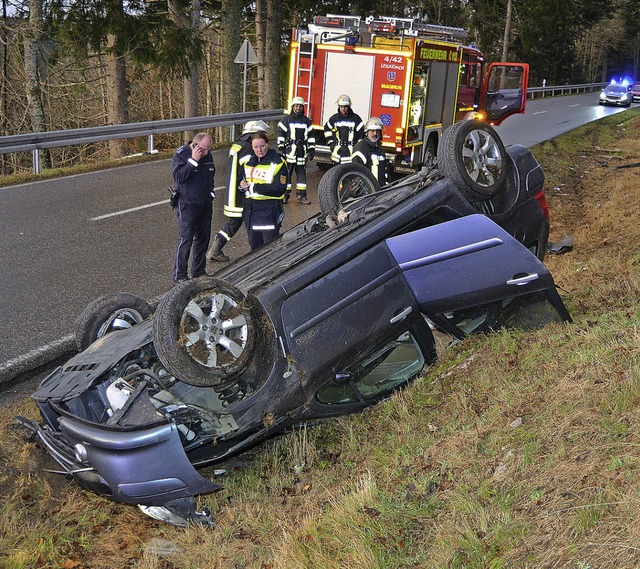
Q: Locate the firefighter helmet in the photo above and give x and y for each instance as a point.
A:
(374, 123)
(256, 126)
(297, 101)
(344, 101)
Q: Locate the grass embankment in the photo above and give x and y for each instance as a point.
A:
(516, 450)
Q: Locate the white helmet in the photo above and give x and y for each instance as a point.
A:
(256, 126)
(297, 101)
(344, 100)
(374, 123)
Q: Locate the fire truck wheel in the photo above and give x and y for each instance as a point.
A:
(345, 182)
(430, 150)
(473, 156)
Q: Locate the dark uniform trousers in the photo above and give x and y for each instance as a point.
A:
(194, 228)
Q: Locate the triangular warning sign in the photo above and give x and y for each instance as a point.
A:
(246, 53)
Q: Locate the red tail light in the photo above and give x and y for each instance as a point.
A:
(542, 202)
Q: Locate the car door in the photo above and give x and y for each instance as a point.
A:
(465, 275)
(504, 91)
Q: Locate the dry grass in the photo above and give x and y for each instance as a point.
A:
(516, 450)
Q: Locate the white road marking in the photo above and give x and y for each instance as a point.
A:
(122, 212)
(539, 113)
(576, 105)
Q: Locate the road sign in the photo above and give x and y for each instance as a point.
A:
(246, 53)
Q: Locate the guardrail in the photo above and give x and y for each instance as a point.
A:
(40, 140)
(554, 90)
(37, 141)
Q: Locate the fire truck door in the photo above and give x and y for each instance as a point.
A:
(350, 74)
(504, 91)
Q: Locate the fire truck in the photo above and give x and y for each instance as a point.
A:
(418, 78)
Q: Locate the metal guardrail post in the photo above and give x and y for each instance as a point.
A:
(150, 144)
(36, 161)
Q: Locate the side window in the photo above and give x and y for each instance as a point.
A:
(376, 376)
(526, 312)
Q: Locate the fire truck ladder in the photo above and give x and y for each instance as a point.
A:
(306, 47)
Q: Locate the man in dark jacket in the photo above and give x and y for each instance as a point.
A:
(239, 153)
(193, 172)
(369, 151)
(342, 131)
(297, 143)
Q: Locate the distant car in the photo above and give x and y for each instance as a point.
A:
(326, 320)
(616, 94)
(635, 92)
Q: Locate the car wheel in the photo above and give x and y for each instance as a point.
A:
(473, 156)
(344, 182)
(203, 332)
(107, 314)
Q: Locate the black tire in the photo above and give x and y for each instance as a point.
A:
(344, 182)
(473, 157)
(107, 314)
(430, 151)
(203, 332)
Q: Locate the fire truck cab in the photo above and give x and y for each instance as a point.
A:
(418, 78)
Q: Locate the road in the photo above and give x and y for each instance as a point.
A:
(548, 118)
(67, 241)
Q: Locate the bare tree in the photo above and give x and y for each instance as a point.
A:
(273, 28)
(230, 41)
(189, 21)
(32, 64)
(507, 33)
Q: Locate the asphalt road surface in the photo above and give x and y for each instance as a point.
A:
(69, 240)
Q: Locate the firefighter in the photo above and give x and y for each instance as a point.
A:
(264, 183)
(369, 151)
(239, 153)
(342, 131)
(297, 143)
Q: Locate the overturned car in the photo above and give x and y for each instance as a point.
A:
(328, 319)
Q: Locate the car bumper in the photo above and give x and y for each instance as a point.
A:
(128, 466)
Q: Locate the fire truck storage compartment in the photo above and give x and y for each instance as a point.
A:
(351, 74)
(441, 93)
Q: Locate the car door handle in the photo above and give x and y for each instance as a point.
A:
(519, 281)
(402, 315)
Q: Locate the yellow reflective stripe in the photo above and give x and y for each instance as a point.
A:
(231, 189)
(232, 211)
(261, 198)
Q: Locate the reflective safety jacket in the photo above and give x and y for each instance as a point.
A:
(239, 153)
(295, 138)
(268, 174)
(371, 155)
(342, 132)
(263, 204)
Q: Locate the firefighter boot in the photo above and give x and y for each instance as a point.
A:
(215, 251)
(301, 197)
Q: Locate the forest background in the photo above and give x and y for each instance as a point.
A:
(79, 63)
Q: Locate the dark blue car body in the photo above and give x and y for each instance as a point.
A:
(328, 319)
